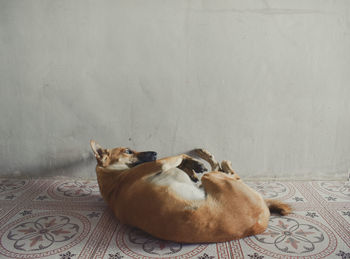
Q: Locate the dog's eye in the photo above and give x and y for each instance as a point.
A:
(128, 151)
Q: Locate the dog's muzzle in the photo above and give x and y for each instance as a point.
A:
(144, 157)
(147, 156)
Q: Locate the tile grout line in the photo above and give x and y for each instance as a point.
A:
(221, 248)
(106, 240)
(95, 236)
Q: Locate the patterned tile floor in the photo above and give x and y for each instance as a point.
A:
(66, 218)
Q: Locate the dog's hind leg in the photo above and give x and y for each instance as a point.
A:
(204, 154)
(227, 168)
(225, 164)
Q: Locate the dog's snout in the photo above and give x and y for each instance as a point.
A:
(147, 156)
(153, 154)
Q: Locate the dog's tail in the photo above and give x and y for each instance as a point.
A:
(279, 207)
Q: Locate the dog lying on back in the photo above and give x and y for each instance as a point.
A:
(161, 197)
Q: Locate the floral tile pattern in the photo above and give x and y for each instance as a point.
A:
(294, 235)
(273, 190)
(134, 242)
(7, 185)
(333, 190)
(78, 190)
(11, 189)
(66, 218)
(41, 233)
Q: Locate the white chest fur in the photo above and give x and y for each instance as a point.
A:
(179, 182)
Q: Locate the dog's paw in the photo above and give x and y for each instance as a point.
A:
(200, 167)
(194, 178)
(196, 165)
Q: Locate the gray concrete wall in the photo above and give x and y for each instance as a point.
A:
(265, 84)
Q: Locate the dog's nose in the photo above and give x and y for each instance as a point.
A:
(153, 154)
(147, 156)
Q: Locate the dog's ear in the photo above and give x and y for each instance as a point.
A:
(98, 150)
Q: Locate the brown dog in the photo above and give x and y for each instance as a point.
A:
(161, 198)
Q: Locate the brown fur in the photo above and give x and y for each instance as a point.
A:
(231, 209)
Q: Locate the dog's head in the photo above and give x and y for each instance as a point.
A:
(120, 158)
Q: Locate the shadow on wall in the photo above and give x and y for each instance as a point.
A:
(83, 166)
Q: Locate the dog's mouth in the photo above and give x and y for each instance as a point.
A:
(144, 157)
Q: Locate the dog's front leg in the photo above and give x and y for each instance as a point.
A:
(191, 167)
(166, 164)
(172, 162)
(184, 162)
(161, 165)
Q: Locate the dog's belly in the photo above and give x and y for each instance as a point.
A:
(180, 183)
